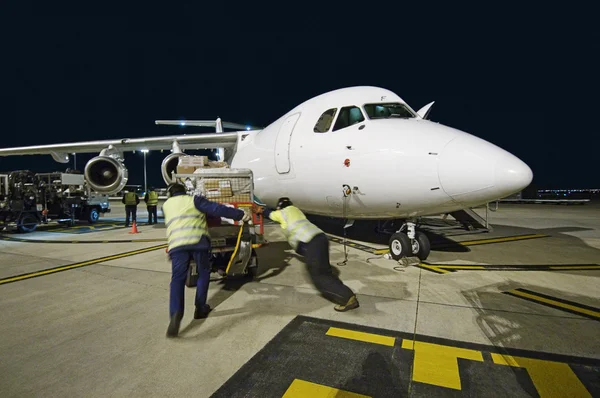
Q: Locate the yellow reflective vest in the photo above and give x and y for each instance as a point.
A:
(130, 199)
(152, 198)
(185, 224)
(295, 225)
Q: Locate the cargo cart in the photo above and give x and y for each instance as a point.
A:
(233, 243)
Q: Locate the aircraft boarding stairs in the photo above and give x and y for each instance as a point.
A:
(465, 221)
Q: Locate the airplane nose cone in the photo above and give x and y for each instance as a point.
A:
(473, 171)
(512, 175)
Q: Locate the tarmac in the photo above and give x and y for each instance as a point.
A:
(514, 312)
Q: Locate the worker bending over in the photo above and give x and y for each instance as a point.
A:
(151, 199)
(130, 200)
(187, 236)
(312, 243)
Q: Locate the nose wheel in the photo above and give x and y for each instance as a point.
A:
(401, 245)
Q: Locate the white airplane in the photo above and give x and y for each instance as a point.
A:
(353, 153)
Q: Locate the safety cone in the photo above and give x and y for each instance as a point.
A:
(134, 229)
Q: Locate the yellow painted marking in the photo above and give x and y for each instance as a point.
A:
(434, 268)
(556, 303)
(301, 389)
(500, 240)
(360, 336)
(438, 364)
(576, 267)
(381, 251)
(551, 379)
(77, 265)
(459, 266)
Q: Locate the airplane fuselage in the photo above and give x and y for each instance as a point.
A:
(395, 167)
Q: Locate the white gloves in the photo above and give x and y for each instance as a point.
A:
(247, 217)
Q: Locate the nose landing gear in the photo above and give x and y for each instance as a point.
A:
(407, 242)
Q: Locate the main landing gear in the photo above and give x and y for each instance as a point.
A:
(407, 242)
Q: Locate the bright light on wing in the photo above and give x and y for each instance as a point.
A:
(247, 128)
(182, 123)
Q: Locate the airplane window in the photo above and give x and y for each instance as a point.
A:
(389, 110)
(348, 116)
(324, 123)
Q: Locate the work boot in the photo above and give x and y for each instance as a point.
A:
(202, 312)
(350, 305)
(173, 329)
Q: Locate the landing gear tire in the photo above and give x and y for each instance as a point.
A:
(400, 246)
(93, 216)
(421, 247)
(27, 223)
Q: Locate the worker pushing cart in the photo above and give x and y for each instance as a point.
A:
(203, 217)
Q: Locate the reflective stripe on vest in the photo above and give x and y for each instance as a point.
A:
(185, 224)
(130, 199)
(298, 228)
(152, 198)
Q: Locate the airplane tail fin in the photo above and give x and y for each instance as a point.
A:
(217, 124)
(424, 111)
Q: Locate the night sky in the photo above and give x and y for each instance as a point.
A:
(524, 79)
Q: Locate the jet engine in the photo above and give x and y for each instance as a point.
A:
(169, 165)
(106, 173)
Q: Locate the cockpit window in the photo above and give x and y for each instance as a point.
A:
(388, 110)
(348, 116)
(324, 123)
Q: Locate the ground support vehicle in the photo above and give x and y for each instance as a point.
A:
(28, 199)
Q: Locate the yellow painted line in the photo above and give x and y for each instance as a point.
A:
(437, 364)
(556, 303)
(77, 265)
(304, 389)
(434, 268)
(501, 240)
(459, 266)
(381, 251)
(360, 336)
(551, 379)
(575, 267)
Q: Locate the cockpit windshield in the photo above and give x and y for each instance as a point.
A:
(388, 110)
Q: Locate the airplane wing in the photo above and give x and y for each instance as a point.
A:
(218, 124)
(217, 139)
(200, 123)
(189, 141)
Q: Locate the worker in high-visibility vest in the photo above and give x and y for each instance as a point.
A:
(130, 200)
(187, 236)
(312, 243)
(151, 199)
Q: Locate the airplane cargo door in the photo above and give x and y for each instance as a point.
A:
(282, 144)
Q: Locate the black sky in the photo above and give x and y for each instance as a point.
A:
(524, 79)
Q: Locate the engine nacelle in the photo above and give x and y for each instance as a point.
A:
(169, 165)
(105, 174)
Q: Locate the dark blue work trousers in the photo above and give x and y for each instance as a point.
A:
(180, 261)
